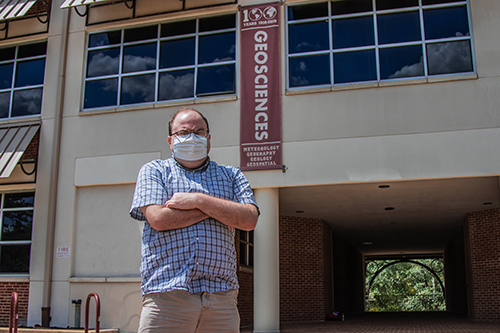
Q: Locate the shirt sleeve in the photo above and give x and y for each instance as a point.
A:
(149, 190)
(242, 190)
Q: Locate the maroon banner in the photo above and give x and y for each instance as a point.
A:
(260, 125)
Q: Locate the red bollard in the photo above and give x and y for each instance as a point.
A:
(97, 310)
(14, 313)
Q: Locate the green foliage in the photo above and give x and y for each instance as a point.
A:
(405, 285)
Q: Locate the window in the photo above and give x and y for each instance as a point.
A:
(246, 248)
(15, 242)
(345, 42)
(22, 70)
(169, 61)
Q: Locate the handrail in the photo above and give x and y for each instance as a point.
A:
(97, 310)
(14, 313)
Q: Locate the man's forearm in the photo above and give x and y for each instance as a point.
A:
(230, 213)
(163, 218)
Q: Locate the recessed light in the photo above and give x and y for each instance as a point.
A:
(384, 186)
(389, 208)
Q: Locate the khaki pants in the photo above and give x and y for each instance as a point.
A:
(182, 312)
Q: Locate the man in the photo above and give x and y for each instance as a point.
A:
(190, 206)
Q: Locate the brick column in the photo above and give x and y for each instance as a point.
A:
(483, 264)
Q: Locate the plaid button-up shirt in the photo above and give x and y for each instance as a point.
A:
(201, 257)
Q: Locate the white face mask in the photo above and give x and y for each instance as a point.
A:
(190, 147)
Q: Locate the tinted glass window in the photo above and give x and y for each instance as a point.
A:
(171, 56)
(138, 89)
(101, 93)
(4, 104)
(434, 2)
(400, 27)
(446, 22)
(7, 54)
(103, 62)
(30, 73)
(217, 23)
(143, 33)
(217, 48)
(216, 79)
(138, 58)
(22, 72)
(176, 85)
(17, 200)
(309, 71)
(400, 62)
(32, 50)
(27, 102)
(448, 58)
(343, 7)
(6, 76)
(15, 258)
(105, 38)
(356, 66)
(353, 32)
(393, 4)
(16, 225)
(186, 49)
(308, 37)
(307, 11)
(178, 28)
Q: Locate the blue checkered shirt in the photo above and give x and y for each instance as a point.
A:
(198, 258)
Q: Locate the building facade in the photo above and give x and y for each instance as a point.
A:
(367, 128)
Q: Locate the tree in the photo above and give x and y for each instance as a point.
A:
(405, 285)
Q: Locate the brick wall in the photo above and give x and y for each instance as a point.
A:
(6, 289)
(304, 281)
(483, 243)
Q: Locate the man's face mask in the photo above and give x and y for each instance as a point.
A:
(190, 147)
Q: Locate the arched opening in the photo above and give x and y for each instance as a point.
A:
(405, 285)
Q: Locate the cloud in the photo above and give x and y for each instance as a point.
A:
(174, 87)
(141, 87)
(138, 63)
(27, 102)
(101, 63)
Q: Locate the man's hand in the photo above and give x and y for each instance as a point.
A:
(184, 201)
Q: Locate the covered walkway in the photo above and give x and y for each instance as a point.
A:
(408, 322)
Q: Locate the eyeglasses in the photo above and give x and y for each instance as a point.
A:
(200, 132)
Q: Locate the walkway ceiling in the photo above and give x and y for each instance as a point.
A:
(396, 218)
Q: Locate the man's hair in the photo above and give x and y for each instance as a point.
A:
(182, 110)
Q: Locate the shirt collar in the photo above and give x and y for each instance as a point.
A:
(201, 168)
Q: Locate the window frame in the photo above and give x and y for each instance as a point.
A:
(16, 242)
(158, 71)
(245, 240)
(16, 61)
(423, 42)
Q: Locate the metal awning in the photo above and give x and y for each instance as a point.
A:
(10, 9)
(74, 3)
(13, 142)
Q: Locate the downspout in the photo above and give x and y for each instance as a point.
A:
(54, 172)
